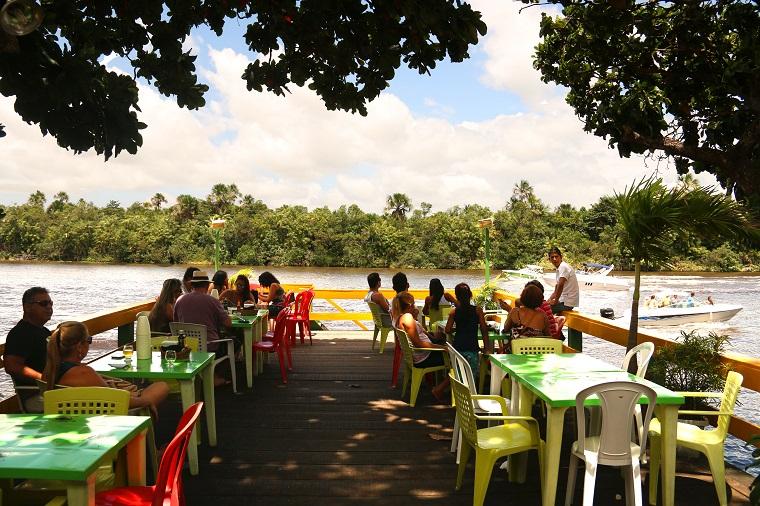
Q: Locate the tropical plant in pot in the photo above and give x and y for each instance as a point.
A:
(693, 365)
(484, 296)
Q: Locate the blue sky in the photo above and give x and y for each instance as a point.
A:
(465, 134)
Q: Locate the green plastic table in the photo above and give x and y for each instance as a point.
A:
(184, 372)
(557, 379)
(70, 448)
(252, 332)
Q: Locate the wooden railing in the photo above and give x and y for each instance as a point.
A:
(123, 318)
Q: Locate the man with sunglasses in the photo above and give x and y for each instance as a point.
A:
(26, 344)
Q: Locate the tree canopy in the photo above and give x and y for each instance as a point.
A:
(678, 79)
(346, 51)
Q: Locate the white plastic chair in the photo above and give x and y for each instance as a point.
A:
(194, 330)
(463, 373)
(613, 447)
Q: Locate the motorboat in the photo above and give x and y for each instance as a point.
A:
(593, 277)
(673, 315)
(528, 272)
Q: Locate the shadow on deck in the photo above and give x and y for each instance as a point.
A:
(339, 434)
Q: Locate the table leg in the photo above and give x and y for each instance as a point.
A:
(248, 352)
(136, 460)
(187, 392)
(497, 374)
(521, 404)
(668, 417)
(81, 493)
(554, 428)
(210, 403)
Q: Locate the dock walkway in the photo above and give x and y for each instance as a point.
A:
(338, 434)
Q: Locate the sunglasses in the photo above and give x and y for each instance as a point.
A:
(43, 303)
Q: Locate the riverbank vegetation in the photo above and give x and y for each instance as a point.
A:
(406, 235)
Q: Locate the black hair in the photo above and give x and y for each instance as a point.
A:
(266, 278)
(219, 280)
(400, 283)
(189, 273)
(463, 294)
(536, 283)
(373, 279)
(556, 250)
(436, 292)
(28, 296)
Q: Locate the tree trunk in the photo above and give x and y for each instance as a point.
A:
(633, 329)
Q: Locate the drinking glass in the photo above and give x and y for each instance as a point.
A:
(127, 350)
(171, 357)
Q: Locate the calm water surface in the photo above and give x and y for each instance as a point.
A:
(82, 289)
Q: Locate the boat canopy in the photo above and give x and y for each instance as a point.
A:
(597, 266)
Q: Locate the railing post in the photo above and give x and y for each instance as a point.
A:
(575, 339)
(125, 333)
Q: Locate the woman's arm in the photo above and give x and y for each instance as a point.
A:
(547, 328)
(426, 307)
(510, 320)
(452, 300)
(483, 330)
(410, 326)
(450, 321)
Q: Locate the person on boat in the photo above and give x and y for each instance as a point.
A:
(219, 282)
(665, 301)
(651, 302)
(266, 279)
(26, 344)
(468, 319)
(187, 278)
(437, 298)
(710, 300)
(403, 306)
(400, 284)
(69, 344)
(241, 294)
(163, 310)
(566, 295)
(690, 300)
(527, 320)
(374, 295)
(201, 308)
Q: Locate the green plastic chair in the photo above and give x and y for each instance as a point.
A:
(437, 315)
(708, 442)
(416, 373)
(383, 324)
(517, 434)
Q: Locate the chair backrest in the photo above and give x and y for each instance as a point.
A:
(303, 304)
(618, 400)
(436, 315)
(643, 353)
(465, 411)
(23, 392)
(170, 469)
(86, 401)
(536, 346)
(280, 328)
(380, 318)
(406, 346)
(730, 393)
(462, 370)
(195, 334)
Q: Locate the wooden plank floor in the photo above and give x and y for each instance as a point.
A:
(338, 434)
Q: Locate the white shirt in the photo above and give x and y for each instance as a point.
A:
(570, 296)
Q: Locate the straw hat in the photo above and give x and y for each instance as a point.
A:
(199, 277)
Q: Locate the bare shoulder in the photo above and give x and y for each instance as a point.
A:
(82, 376)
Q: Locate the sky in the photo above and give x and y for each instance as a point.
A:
(464, 135)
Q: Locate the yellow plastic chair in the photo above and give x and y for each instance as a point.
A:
(383, 324)
(517, 434)
(437, 315)
(417, 373)
(709, 442)
(536, 346)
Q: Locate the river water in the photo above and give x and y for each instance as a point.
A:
(82, 289)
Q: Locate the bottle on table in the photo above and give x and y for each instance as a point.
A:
(180, 340)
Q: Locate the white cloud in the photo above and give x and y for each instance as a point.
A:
(291, 150)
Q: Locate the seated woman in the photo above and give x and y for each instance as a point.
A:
(219, 282)
(468, 319)
(241, 294)
(437, 300)
(266, 279)
(68, 345)
(276, 302)
(403, 305)
(163, 310)
(527, 320)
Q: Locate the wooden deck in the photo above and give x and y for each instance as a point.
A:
(338, 434)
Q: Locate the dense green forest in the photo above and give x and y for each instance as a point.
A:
(405, 236)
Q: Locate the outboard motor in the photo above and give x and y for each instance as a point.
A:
(607, 312)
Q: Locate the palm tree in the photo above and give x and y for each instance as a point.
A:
(156, 201)
(399, 204)
(652, 217)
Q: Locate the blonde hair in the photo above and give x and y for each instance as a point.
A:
(64, 339)
(402, 302)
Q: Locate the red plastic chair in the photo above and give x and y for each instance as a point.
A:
(300, 316)
(279, 344)
(168, 488)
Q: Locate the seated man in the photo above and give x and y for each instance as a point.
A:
(201, 308)
(26, 345)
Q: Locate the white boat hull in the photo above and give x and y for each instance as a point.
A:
(587, 282)
(683, 315)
